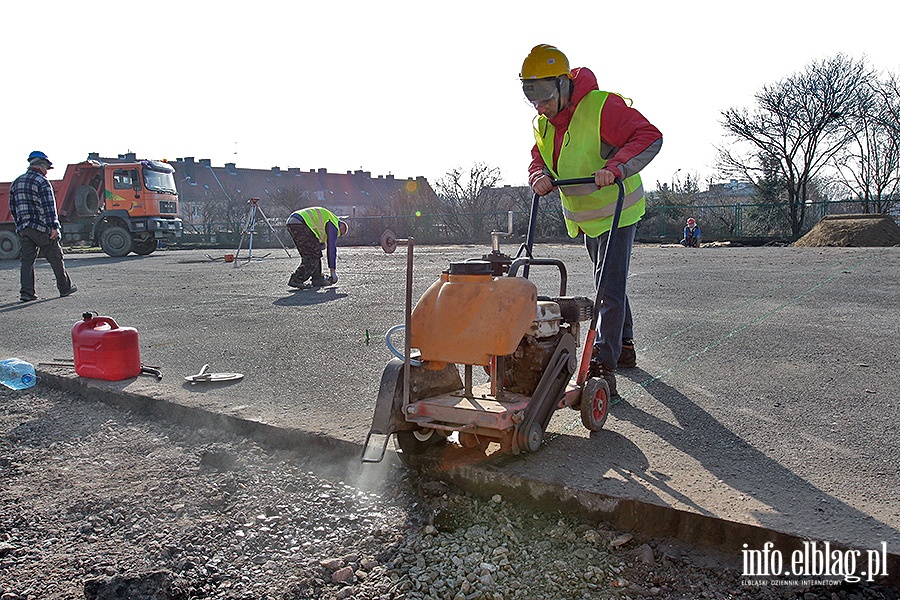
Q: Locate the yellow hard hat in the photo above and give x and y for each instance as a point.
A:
(544, 61)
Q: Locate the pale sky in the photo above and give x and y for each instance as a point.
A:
(392, 87)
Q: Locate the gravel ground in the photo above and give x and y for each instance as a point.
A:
(99, 503)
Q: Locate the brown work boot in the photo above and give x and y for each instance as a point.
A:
(628, 357)
(296, 280)
(598, 369)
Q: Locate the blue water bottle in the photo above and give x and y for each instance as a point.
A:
(17, 374)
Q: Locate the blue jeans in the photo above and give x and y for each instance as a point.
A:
(32, 239)
(615, 312)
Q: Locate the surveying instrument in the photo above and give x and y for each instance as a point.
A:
(250, 230)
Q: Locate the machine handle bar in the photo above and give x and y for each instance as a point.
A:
(576, 181)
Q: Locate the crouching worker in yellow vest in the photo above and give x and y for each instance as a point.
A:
(314, 229)
(581, 131)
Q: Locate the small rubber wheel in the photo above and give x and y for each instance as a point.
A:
(595, 403)
(413, 443)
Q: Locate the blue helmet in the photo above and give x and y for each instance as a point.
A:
(38, 155)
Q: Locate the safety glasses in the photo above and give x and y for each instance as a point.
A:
(540, 91)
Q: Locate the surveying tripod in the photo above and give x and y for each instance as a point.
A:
(250, 230)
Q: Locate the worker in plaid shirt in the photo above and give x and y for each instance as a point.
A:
(33, 208)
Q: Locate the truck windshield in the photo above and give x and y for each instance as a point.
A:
(159, 182)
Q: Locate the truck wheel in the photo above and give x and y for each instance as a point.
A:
(144, 247)
(116, 241)
(9, 245)
(87, 202)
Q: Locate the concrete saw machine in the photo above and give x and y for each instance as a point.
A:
(487, 314)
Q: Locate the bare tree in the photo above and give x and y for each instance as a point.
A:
(798, 124)
(768, 216)
(288, 199)
(869, 168)
(463, 202)
(234, 208)
(681, 192)
(890, 92)
(549, 222)
(210, 214)
(409, 201)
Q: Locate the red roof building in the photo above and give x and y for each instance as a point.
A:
(202, 186)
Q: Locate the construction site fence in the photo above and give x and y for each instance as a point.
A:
(760, 223)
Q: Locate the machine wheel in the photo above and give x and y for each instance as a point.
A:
(9, 245)
(415, 442)
(144, 247)
(595, 403)
(116, 241)
(533, 437)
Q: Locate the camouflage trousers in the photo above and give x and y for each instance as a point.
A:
(310, 249)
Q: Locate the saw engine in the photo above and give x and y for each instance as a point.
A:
(555, 318)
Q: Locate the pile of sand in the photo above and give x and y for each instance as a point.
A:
(853, 230)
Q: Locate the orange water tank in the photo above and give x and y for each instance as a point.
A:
(467, 316)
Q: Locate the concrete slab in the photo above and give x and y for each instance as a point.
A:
(766, 395)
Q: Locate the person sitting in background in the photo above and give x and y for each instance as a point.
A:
(692, 234)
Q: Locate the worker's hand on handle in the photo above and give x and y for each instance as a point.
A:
(542, 186)
(604, 177)
(333, 276)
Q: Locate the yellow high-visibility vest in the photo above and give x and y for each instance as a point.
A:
(584, 206)
(316, 217)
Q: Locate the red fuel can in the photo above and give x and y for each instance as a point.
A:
(103, 350)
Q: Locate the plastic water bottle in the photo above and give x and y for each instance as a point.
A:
(17, 374)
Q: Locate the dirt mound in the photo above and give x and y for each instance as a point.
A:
(853, 230)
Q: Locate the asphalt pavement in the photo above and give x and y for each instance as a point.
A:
(763, 407)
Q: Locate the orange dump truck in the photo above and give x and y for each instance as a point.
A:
(122, 207)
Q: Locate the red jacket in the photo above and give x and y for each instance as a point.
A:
(627, 139)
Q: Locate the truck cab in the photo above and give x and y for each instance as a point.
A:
(140, 207)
